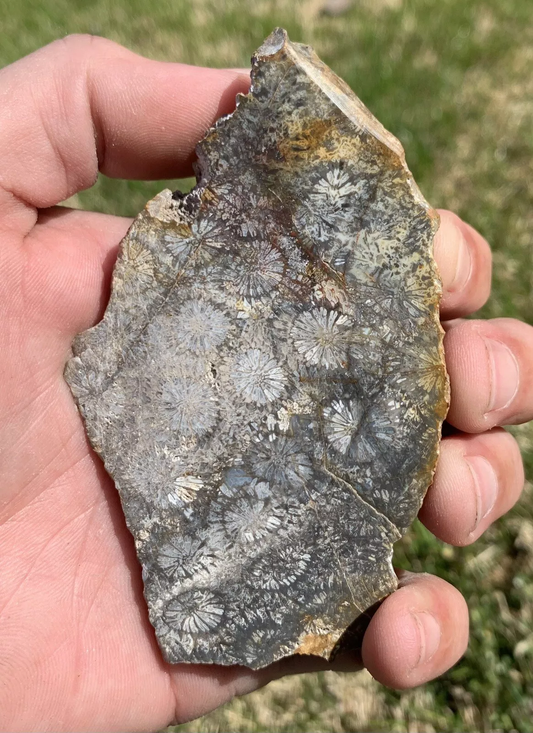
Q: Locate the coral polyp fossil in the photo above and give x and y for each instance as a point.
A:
(267, 385)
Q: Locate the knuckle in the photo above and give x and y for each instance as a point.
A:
(70, 44)
(84, 41)
(80, 47)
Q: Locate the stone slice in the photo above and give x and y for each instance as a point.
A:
(267, 385)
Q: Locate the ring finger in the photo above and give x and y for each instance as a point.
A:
(478, 479)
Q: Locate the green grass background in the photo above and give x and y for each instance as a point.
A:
(453, 80)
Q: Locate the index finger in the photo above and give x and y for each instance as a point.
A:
(85, 104)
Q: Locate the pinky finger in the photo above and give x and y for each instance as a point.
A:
(418, 632)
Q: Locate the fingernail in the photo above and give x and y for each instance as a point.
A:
(429, 633)
(485, 484)
(504, 375)
(461, 269)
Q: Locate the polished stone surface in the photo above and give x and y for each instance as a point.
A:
(267, 385)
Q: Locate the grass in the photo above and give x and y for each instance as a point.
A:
(452, 79)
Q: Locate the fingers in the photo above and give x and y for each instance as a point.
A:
(491, 373)
(85, 102)
(464, 261)
(418, 632)
(478, 479)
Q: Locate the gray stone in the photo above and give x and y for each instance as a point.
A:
(267, 385)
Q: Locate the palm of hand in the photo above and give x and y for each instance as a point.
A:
(69, 564)
(78, 650)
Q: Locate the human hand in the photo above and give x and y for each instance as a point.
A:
(78, 652)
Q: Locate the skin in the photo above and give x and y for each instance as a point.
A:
(78, 652)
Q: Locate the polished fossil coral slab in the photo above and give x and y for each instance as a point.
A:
(267, 385)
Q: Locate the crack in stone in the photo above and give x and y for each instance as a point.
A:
(352, 488)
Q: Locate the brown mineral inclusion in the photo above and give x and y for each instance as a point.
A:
(267, 386)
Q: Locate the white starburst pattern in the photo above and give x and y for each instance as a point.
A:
(200, 326)
(140, 260)
(178, 246)
(194, 612)
(263, 638)
(183, 557)
(336, 189)
(283, 569)
(320, 337)
(191, 406)
(247, 513)
(258, 377)
(260, 269)
(342, 420)
(395, 292)
(203, 231)
(282, 462)
(208, 230)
